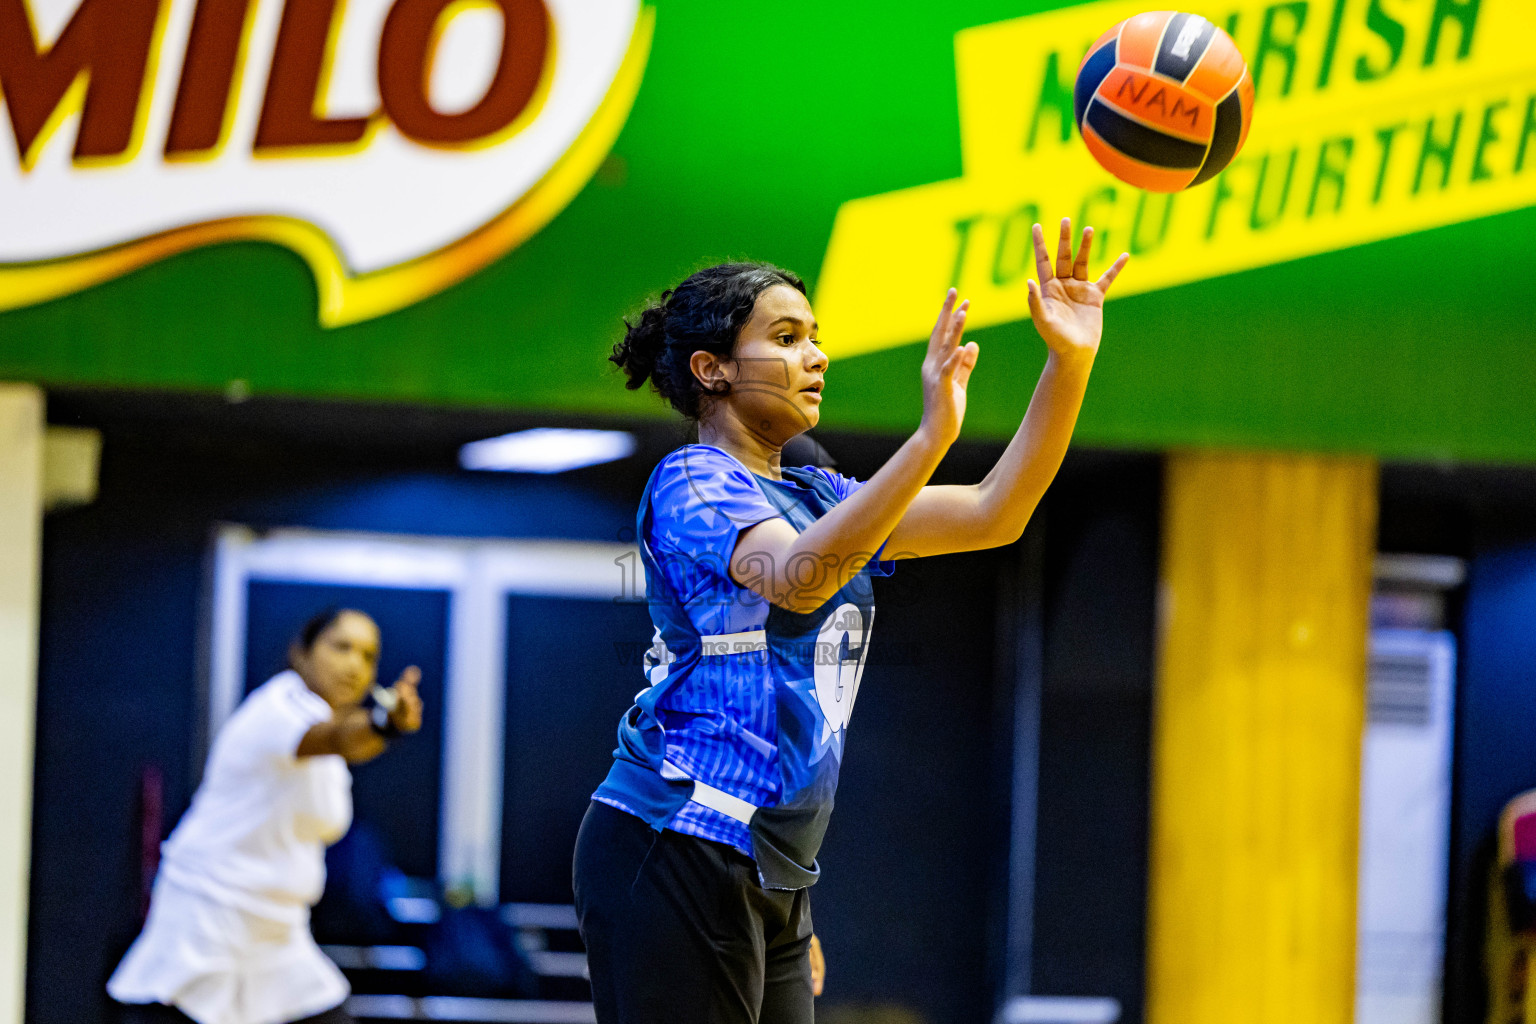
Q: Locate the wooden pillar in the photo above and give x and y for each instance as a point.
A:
(21, 521)
(1260, 711)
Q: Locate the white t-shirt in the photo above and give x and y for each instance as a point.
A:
(256, 833)
(227, 940)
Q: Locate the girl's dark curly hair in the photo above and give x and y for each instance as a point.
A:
(704, 313)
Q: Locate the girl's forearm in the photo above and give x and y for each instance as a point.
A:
(1016, 484)
(861, 524)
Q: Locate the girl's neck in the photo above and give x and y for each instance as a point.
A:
(725, 431)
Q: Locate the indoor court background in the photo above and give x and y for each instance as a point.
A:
(1111, 772)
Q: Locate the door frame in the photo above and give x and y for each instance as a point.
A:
(478, 575)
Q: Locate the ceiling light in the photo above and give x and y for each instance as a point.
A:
(546, 450)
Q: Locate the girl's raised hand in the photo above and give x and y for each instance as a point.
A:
(407, 711)
(946, 371)
(1067, 308)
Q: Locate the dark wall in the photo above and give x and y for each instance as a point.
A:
(1486, 515)
(1496, 733)
(114, 699)
(561, 728)
(1101, 551)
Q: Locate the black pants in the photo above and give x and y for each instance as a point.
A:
(678, 930)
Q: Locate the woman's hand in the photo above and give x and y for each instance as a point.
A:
(946, 372)
(1068, 309)
(406, 714)
(818, 967)
(350, 731)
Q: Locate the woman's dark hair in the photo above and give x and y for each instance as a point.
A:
(304, 641)
(704, 313)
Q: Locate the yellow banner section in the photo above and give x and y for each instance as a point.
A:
(1373, 118)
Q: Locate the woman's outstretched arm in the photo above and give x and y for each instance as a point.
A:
(350, 733)
(1067, 309)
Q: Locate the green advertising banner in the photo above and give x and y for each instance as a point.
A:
(457, 202)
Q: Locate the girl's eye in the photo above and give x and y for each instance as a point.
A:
(788, 339)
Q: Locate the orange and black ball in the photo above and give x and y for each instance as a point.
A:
(1164, 100)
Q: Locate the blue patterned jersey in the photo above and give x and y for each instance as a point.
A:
(742, 697)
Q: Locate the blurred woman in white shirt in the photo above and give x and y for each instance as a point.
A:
(227, 940)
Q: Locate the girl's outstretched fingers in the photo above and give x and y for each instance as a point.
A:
(1108, 277)
(949, 303)
(1064, 249)
(941, 325)
(1042, 261)
(1080, 265)
(969, 353)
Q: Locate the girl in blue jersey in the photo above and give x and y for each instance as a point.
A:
(694, 862)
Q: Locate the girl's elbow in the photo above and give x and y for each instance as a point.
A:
(1005, 532)
(1009, 536)
(996, 538)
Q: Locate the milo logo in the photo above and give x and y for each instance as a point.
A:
(397, 145)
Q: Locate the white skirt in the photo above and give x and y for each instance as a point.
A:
(221, 965)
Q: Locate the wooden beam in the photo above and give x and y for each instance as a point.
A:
(1260, 712)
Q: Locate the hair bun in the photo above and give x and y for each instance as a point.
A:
(643, 343)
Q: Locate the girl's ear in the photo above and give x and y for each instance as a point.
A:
(710, 370)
